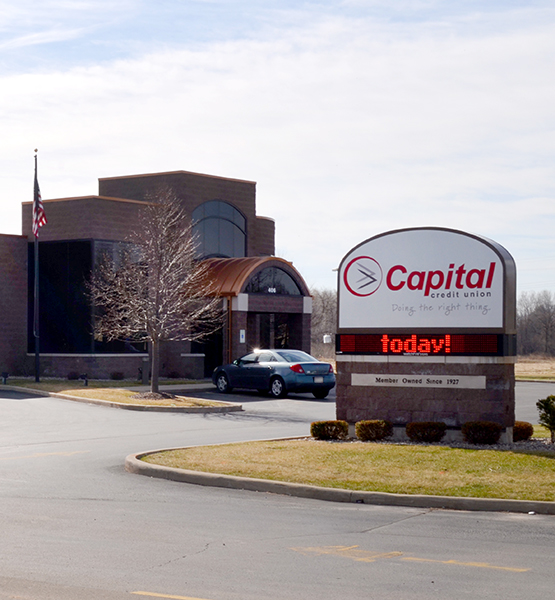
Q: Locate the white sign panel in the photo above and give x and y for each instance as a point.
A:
(422, 278)
(476, 382)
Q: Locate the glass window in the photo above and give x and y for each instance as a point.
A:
(248, 358)
(273, 280)
(65, 311)
(221, 230)
(295, 356)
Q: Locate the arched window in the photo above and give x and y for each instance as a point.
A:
(221, 230)
(273, 280)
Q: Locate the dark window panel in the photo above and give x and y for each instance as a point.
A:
(273, 280)
(221, 230)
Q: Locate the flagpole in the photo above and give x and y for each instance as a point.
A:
(36, 290)
(39, 219)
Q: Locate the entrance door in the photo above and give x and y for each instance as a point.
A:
(212, 348)
(270, 330)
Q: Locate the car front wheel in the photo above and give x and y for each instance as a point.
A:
(222, 383)
(277, 388)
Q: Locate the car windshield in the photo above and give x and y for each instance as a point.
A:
(295, 356)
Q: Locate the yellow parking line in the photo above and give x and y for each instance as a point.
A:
(154, 595)
(465, 564)
(356, 554)
(352, 552)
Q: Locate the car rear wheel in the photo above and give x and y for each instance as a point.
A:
(222, 383)
(277, 388)
(320, 394)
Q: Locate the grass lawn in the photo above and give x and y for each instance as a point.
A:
(537, 368)
(393, 468)
(541, 432)
(123, 396)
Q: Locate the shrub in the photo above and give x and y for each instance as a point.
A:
(329, 430)
(522, 431)
(546, 408)
(426, 431)
(174, 375)
(73, 376)
(373, 431)
(116, 375)
(481, 432)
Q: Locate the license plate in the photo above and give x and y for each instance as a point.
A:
(318, 380)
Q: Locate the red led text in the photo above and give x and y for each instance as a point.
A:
(416, 344)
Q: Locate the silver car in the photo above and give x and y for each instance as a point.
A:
(277, 372)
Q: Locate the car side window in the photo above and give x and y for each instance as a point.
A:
(248, 359)
(266, 357)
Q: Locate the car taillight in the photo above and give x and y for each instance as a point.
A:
(297, 368)
(331, 369)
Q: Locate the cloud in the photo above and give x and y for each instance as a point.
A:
(351, 125)
(43, 37)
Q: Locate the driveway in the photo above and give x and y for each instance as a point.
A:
(76, 526)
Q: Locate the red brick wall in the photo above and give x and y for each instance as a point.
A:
(275, 304)
(265, 233)
(402, 405)
(99, 366)
(96, 366)
(194, 189)
(13, 303)
(239, 321)
(113, 214)
(84, 218)
(177, 359)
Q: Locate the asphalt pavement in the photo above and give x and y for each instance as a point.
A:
(75, 525)
(526, 396)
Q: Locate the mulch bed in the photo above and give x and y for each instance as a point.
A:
(154, 396)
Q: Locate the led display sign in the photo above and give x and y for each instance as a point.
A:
(426, 330)
(421, 344)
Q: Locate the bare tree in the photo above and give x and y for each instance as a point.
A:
(527, 330)
(324, 322)
(545, 315)
(157, 290)
(536, 323)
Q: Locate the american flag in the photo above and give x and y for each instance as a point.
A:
(39, 217)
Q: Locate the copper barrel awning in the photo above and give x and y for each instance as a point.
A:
(231, 275)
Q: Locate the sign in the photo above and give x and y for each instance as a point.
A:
(426, 278)
(427, 330)
(476, 382)
(426, 344)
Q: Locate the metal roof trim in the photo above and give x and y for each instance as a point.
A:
(231, 274)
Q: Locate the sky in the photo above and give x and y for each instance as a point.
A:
(354, 117)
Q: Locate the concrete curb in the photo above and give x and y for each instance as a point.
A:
(15, 388)
(228, 406)
(134, 464)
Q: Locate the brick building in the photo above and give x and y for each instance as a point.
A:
(265, 300)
